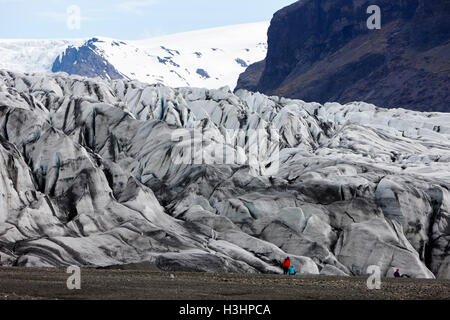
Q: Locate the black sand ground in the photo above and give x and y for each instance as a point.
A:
(151, 284)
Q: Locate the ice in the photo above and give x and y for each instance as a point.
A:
(88, 176)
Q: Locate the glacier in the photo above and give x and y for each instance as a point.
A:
(89, 177)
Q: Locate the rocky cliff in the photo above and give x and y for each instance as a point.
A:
(85, 61)
(90, 175)
(322, 50)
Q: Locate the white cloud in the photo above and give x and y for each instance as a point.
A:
(53, 15)
(58, 16)
(135, 6)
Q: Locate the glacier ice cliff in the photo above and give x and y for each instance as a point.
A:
(89, 177)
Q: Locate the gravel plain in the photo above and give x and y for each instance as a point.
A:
(151, 284)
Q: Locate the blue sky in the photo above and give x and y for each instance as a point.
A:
(126, 19)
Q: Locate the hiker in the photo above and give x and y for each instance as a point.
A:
(292, 271)
(286, 265)
(398, 275)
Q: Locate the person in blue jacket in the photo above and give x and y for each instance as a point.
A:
(292, 271)
(397, 274)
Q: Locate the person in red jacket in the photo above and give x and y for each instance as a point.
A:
(286, 265)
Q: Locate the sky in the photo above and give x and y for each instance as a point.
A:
(125, 19)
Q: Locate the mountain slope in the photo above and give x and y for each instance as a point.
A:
(94, 173)
(84, 60)
(322, 50)
(210, 58)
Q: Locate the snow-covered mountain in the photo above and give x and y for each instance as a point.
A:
(90, 175)
(210, 58)
(32, 55)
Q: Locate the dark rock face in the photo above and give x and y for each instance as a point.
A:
(203, 73)
(85, 61)
(322, 50)
(250, 78)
